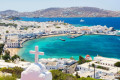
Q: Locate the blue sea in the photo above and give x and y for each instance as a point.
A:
(107, 46)
(108, 21)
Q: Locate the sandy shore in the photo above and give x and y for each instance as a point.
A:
(13, 51)
(59, 35)
(54, 35)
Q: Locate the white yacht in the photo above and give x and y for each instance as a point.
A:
(81, 20)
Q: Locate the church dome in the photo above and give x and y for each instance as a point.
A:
(36, 71)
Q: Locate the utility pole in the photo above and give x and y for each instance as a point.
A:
(94, 70)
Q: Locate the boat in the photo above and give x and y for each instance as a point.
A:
(62, 39)
(75, 36)
(81, 20)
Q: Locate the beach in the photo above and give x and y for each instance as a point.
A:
(13, 51)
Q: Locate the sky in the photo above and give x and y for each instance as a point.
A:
(33, 5)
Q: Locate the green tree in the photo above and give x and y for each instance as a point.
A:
(72, 58)
(6, 57)
(117, 64)
(7, 31)
(1, 48)
(81, 60)
(77, 75)
(22, 60)
(15, 57)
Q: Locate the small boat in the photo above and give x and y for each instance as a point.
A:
(81, 20)
(74, 36)
(62, 39)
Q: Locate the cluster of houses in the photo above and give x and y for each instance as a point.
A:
(29, 30)
(99, 68)
(17, 63)
(53, 63)
(103, 67)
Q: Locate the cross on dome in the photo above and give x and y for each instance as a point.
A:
(37, 53)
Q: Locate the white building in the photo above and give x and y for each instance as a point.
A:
(106, 61)
(106, 72)
(13, 42)
(53, 63)
(21, 64)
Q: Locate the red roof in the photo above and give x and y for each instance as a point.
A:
(87, 55)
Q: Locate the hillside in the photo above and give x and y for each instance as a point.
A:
(64, 12)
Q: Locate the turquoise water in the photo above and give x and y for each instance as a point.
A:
(107, 46)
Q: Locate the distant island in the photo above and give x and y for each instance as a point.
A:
(64, 12)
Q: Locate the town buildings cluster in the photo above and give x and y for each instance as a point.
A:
(14, 33)
(99, 68)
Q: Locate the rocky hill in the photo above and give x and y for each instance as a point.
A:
(65, 12)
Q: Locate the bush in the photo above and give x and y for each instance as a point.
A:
(58, 75)
(15, 57)
(6, 57)
(72, 58)
(1, 48)
(88, 78)
(7, 31)
(22, 60)
(81, 60)
(77, 75)
(58, 27)
(16, 71)
(7, 78)
(117, 64)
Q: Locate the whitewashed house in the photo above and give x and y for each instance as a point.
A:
(51, 65)
(104, 68)
(106, 61)
(13, 42)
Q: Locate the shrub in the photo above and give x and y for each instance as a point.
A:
(58, 75)
(1, 48)
(72, 58)
(15, 57)
(88, 78)
(6, 57)
(58, 27)
(7, 78)
(117, 64)
(16, 71)
(77, 75)
(22, 60)
(81, 60)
